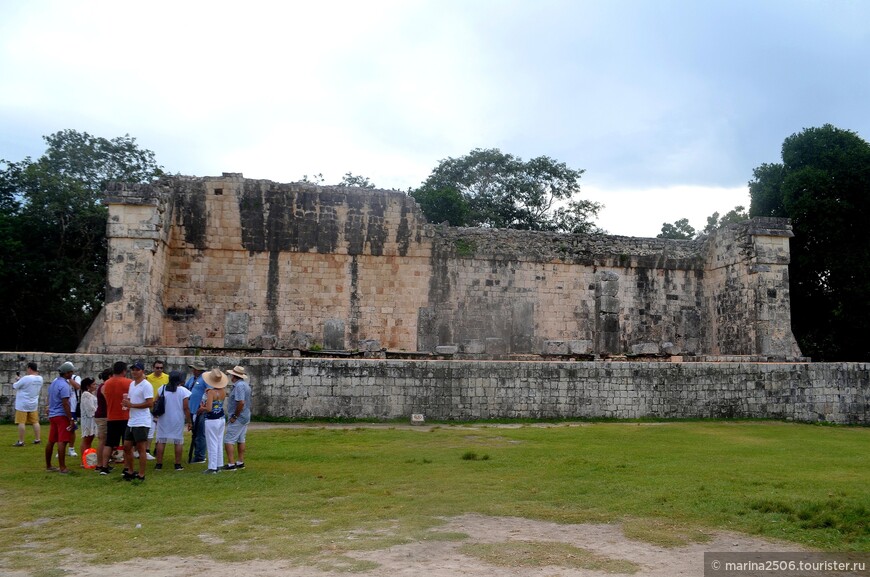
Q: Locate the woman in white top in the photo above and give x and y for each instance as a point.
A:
(173, 420)
(87, 406)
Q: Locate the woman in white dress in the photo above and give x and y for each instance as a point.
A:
(174, 419)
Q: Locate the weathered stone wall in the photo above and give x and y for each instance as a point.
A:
(233, 263)
(462, 390)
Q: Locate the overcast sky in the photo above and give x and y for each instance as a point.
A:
(667, 105)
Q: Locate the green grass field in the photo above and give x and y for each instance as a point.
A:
(306, 490)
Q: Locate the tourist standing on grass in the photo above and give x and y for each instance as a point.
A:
(239, 407)
(158, 379)
(75, 383)
(215, 424)
(27, 390)
(139, 401)
(172, 421)
(196, 386)
(114, 390)
(60, 417)
(88, 408)
(100, 415)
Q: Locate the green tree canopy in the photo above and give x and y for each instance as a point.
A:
(823, 186)
(52, 236)
(489, 188)
(680, 230)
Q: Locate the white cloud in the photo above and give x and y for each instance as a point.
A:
(641, 212)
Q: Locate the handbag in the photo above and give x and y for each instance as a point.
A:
(160, 405)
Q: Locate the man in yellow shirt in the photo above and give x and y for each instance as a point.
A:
(158, 378)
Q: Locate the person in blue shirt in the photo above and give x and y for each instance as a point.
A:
(196, 386)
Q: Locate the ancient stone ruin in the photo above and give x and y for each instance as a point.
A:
(258, 267)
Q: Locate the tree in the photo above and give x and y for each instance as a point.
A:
(680, 230)
(489, 188)
(53, 237)
(350, 179)
(736, 214)
(823, 186)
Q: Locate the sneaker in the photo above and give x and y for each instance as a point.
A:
(36, 442)
(18, 444)
(128, 476)
(197, 461)
(71, 452)
(158, 466)
(137, 477)
(149, 456)
(240, 465)
(229, 467)
(135, 454)
(210, 471)
(178, 467)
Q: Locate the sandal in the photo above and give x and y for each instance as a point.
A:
(51, 469)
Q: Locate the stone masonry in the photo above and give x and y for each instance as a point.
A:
(218, 263)
(463, 390)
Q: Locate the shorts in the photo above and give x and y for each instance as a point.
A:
(58, 432)
(235, 433)
(101, 429)
(115, 432)
(26, 417)
(169, 441)
(136, 434)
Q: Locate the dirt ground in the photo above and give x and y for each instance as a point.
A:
(445, 559)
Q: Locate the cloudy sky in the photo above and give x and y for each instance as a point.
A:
(667, 105)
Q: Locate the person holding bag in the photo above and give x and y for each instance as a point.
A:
(175, 413)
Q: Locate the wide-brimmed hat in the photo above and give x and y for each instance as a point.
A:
(238, 371)
(215, 378)
(197, 366)
(67, 367)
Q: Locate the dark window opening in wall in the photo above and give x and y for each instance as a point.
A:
(218, 191)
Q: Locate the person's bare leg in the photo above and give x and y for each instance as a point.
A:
(178, 453)
(49, 452)
(37, 432)
(142, 447)
(61, 455)
(128, 456)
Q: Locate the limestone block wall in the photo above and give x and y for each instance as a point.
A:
(233, 263)
(507, 291)
(463, 390)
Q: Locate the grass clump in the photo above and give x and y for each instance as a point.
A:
(472, 456)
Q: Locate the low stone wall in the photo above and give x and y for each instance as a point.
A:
(464, 390)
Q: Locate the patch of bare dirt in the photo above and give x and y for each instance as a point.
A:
(434, 558)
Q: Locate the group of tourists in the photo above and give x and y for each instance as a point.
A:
(127, 414)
